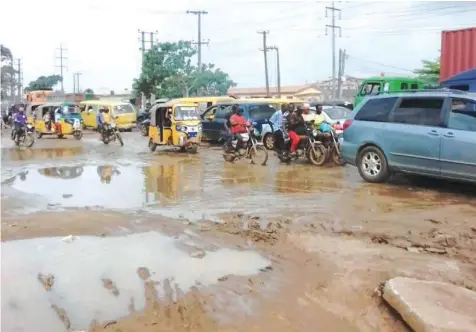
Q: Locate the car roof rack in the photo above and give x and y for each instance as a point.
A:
(438, 90)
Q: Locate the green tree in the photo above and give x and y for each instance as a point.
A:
(89, 91)
(44, 83)
(8, 74)
(167, 72)
(430, 71)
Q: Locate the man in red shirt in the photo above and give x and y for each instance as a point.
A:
(238, 124)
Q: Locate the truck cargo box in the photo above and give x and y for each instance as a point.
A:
(458, 52)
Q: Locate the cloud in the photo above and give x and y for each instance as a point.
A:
(102, 36)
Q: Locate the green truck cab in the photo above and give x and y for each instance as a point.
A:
(380, 84)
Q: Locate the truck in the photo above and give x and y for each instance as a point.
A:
(458, 59)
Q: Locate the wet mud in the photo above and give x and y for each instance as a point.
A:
(101, 238)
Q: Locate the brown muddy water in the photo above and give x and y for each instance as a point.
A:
(62, 187)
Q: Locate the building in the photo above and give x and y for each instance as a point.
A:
(107, 94)
(350, 86)
(305, 92)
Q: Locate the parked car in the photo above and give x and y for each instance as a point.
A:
(425, 133)
(213, 119)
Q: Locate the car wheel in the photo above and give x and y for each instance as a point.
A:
(372, 165)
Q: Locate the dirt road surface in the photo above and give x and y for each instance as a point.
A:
(110, 238)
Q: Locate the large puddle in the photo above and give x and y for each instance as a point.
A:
(81, 265)
(203, 188)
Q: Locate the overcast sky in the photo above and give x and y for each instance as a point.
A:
(102, 36)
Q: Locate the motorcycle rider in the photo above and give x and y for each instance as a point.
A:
(296, 128)
(229, 139)
(320, 117)
(278, 120)
(100, 122)
(19, 120)
(238, 125)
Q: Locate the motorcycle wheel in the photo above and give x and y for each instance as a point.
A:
(193, 148)
(119, 138)
(229, 157)
(268, 141)
(336, 158)
(38, 134)
(78, 134)
(28, 140)
(255, 152)
(318, 155)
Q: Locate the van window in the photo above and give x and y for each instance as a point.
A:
(414, 86)
(419, 111)
(222, 111)
(370, 89)
(463, 115)
(123, 109)
(404, 86)
(261, 112)
(376, 110)
(462, 87)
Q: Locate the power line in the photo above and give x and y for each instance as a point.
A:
(62, 65)
(265, 51)
(333, 26)
(199, 42)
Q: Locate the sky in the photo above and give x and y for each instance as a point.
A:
(102, 38)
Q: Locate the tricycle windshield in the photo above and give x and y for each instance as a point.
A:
(184, 113)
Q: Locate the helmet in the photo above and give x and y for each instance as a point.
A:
(21, 109)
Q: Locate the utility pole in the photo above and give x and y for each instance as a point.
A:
(20, 78)
(278, 68)
(77, 88)
(265, 51)
(143, 40)
(342, 58)
(62, 65)
(199, 42)
(333, 26)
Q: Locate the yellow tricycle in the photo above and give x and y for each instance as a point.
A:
(175, 124)
(52, 119)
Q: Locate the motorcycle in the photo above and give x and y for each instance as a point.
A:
(331, 143)
(313, 150)
(110, 133)
(24, 136)
(246, 146)
(144, 127)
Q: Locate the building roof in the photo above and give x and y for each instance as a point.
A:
(289, 89)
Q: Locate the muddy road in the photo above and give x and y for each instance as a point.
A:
(110, 238)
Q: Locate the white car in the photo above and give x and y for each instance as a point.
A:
(337, 114)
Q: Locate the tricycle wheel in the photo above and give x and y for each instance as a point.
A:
(193, 148)
(78, 134)
(60, 136)
(152, 145)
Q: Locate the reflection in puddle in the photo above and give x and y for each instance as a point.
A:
(109, 186)
(16, 154)
(80, 266)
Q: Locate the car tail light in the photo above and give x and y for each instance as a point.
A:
(347, 124)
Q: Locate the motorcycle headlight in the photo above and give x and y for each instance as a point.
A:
(314, 132)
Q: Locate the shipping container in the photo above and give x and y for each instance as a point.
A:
(458, 52)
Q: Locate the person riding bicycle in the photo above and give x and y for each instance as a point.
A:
(19, 120)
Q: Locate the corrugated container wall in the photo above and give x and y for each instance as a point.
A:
(458, 52)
